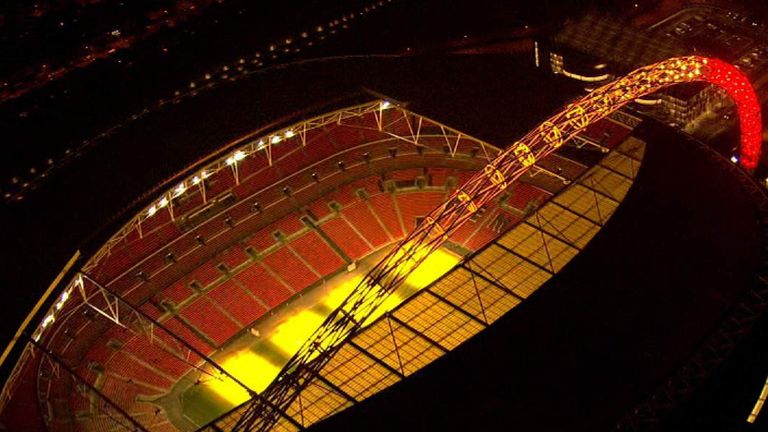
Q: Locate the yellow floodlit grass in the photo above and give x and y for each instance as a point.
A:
(291, 333)
(255, 371)
(431, 269)
(250, 368)
(338, 293)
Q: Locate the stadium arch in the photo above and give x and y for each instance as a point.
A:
(384, 278)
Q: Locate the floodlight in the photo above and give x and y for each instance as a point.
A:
(48, 321)
(180, 189)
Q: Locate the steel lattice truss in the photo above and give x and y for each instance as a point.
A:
(481, 189)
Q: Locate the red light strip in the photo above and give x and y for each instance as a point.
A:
(736, 84)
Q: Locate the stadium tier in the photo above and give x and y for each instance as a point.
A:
(156, 321)
(493, 279)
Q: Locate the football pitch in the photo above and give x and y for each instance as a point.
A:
(256, 357)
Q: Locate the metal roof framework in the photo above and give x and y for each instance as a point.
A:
(475, 293)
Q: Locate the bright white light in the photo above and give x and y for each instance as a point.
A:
(180, 189)
(205, 174)
(385, 104)
(48, 321)
(289, 134)
(163, 202)
(195, 180)
(62, 300)
(262, 145)
(152, 210)
(239, 155)
(276, 139)
(734, 159)
(230, 160)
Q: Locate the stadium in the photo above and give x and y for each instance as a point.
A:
(309, 261)
(334, 266)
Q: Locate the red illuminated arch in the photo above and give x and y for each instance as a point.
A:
(740, 91)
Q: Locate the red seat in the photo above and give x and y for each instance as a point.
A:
(317, 253)
(342, 234)
(263, 285)
(290, 269)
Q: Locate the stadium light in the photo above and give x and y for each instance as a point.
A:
(48, 321)
(385, 104)
(236, 157)
(276, 139)
(262, 145)
(289, 134)
(195, 180)
(63, 299)
(163, 202)
(180, 189)
(735, 159)
(152, 210)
